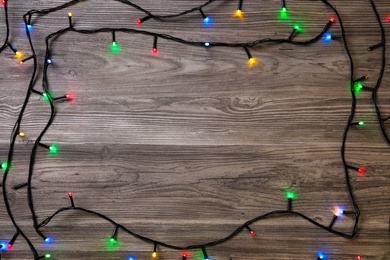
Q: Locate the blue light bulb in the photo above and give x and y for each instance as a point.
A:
(49, 61)
(327, 37)
(207, 44)
(48, 240)
(207, 20)
(30, 27)
(3, 246)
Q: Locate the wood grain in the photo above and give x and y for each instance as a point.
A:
(186, 145)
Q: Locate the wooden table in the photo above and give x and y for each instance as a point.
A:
(186, 145)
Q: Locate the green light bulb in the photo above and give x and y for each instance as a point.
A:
(283, 14)
(46, 96)
(112, 243)
(296, 27)
(53, 149)
(290, 195)
(4, 166)
(47, 255)
(358, 86)
(115, 47)
(361, 123)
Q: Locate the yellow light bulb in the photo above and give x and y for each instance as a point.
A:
(21, 134)
(252, 62)
(154, 254)
(238, 13)
(70, 14)
(19, 54)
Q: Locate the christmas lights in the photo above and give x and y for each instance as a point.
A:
(18, 54)
(47, 240)
(239, 13)
(184, 255)
(4, 166)
(240, 4)
(70, 20)
(3, 246)
(250, 230)
(360, 123)
(251, 61)
(114, 234)
(154, 254)
(206, 19)
(53, 149)
(26, 59)
(30, 27)
(154, 49)
(284, 9)
(70, 195)
(374, 97)
(44, 256)
(12, 241)
(139, 21)
(327, 37)
(321, 256)
(114, 44)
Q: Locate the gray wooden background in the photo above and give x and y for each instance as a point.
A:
(187, 145)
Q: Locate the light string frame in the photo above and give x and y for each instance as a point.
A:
(27, 19)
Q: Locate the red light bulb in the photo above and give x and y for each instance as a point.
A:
(9, 246)
(361, 170)
(70, 194)
(138, 21)
(69, 96)
(155, 50)
(185, 254)
(388, 18)
(359, 257)
(333, 19)
(252, 232)
(3, 2)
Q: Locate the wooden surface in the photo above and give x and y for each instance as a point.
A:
(187, 145)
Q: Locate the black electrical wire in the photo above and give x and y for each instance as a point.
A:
(374, 96)
(6, 41)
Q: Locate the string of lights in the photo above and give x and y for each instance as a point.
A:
(355, 86)
(7, 43)
(382, 120)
